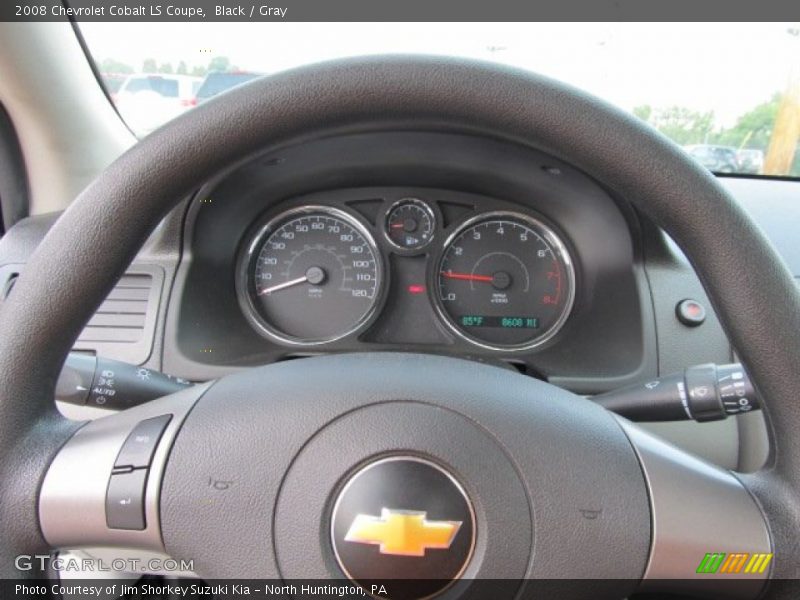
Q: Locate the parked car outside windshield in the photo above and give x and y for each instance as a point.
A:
(720, 159)
(218, 82)
(751, 160)
(149, 100)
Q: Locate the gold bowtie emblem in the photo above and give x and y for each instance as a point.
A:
(402, 532)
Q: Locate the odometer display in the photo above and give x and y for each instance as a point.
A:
(505, 281)
(310, 275)
(486, 321)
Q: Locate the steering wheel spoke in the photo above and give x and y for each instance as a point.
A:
(103, 487)
(708, 534)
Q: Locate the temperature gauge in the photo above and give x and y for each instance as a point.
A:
(410, 224)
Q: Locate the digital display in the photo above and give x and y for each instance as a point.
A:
(501, 322)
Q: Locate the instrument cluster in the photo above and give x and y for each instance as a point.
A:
(311, 274)
(412, 241)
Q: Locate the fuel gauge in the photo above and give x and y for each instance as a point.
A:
(410, 224)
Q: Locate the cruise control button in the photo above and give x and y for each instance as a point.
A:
(125, 500)
(139, 447)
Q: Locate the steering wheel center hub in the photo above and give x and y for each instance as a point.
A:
(403, 517)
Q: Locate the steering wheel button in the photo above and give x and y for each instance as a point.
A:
(125, 500)
(138, 449)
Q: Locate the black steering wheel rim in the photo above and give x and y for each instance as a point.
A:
(98, 236)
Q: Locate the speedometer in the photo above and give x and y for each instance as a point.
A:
(310, 275)
(505, 281)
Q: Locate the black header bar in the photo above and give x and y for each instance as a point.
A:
(397, 11)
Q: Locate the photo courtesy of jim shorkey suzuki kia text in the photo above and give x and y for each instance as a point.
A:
(235, 590)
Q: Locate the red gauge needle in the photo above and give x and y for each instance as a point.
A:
(397, 226)
(468, 276)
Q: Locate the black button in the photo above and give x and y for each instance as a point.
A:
(125, 500)
(690, 312)
(138, 449)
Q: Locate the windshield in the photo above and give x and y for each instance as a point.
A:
(728, 93)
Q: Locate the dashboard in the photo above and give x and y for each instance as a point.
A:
(429, 242)
(189, 304)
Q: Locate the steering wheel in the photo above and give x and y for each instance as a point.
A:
(384, 467)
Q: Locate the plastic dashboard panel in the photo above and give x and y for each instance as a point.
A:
(607, 341)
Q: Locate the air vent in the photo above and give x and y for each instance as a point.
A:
(121, 318)
(124, 324)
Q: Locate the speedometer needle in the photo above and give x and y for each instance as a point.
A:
(314, 276)
(283, 286)
(467, 276)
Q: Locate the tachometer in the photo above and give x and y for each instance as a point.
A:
(310, 275)
(505, 281)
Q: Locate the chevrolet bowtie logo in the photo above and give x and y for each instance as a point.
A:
(402, 532)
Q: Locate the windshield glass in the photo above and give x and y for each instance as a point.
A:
(728, 93)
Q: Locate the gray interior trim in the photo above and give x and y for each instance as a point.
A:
(753, 442)
(55, 102)
(715, 441)
(14, 190)
(773, 203)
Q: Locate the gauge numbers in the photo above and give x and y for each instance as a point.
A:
(311, 275)
(505, 281)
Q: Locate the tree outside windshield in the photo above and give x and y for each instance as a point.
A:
(728, 93)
